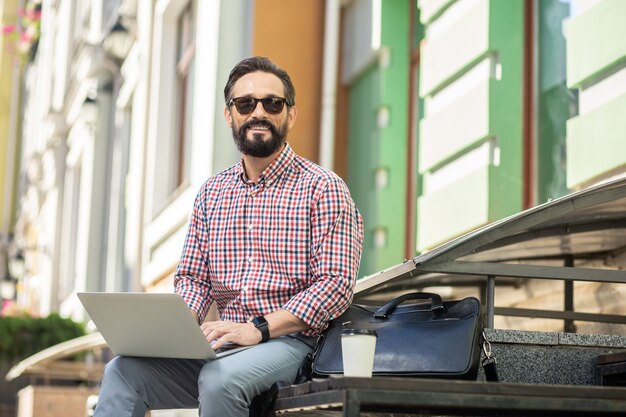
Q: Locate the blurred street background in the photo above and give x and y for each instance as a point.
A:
(441, 116)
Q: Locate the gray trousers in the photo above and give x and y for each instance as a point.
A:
(223, 387)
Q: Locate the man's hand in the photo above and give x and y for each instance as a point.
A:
(222, 332)
(280, 322)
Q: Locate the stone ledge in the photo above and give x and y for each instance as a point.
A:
(596, 340)
(549, 358)
(524, 337)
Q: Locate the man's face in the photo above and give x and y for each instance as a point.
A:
(259, 133)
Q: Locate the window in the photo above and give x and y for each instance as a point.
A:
(171, 130)
(67, 276)
(185, 55)
(171, 123)
(554, 102)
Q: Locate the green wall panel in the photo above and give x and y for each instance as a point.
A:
(595, 142)
(596, 42)
(506, 38)
(363, 140)
(506, 28)
(393, 146)
(372, 147)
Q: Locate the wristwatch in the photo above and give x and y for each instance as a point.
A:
(261, 324)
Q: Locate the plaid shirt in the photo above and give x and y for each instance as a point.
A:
(292, 240)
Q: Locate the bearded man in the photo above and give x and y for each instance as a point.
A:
(274, 241)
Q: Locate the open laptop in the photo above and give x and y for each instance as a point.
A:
(149, 324)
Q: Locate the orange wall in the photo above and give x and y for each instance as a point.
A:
(291, 33)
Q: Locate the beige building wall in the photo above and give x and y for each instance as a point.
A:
(8, 16)
(295, 41)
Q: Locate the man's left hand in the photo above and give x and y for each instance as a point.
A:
(222, 332)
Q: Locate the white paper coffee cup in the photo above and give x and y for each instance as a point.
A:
(357, 350)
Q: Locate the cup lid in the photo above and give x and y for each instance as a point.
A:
(359, 332)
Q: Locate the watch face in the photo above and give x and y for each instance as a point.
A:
(261, 324)
(259, 321)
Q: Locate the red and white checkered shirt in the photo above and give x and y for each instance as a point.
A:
(292, 240)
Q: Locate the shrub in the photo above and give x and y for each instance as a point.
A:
(22, 336)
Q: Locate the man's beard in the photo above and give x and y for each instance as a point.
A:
(256, 146)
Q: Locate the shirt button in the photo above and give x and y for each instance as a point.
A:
(250, 227)
(250, 259)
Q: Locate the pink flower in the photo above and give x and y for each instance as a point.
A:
(25, 37)
(30, 14)
(33, 14)
(7, 307)
(9, 29)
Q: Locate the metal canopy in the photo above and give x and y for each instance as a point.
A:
(48, 362)
(590, 222)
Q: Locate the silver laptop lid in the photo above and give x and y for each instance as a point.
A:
(147, 324)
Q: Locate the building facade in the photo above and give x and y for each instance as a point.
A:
(441, 115)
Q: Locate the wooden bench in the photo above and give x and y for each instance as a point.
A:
(412, 396)
(611, 369)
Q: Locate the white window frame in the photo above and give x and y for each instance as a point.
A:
(164, 231)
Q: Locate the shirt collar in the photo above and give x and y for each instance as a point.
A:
(274, 171)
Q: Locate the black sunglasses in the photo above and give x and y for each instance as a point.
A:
(246, 105)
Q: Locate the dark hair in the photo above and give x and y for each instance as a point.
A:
(259, 63)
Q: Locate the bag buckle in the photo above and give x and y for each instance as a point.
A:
(440, 309)
(489, 363)
(486, 346)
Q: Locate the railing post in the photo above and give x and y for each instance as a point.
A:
(491, 295)
(568, 297)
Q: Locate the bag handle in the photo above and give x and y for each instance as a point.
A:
(436, 304)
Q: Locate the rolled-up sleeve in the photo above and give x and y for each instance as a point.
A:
(336, 245)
